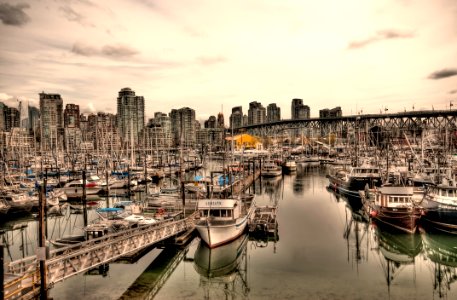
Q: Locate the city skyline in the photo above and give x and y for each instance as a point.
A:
(364, 57)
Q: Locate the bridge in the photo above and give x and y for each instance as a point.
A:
(65, 262)
(410, 120)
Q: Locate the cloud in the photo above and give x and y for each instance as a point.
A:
(88, 109)
(4, 97)
(444, 73)
(84, 50)
(71, 15)
(118, 50)
(114, 51)
(388, 34)
(14, 15)
(13, 101)
(211, 60)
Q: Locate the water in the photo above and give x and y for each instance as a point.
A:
(324, 250)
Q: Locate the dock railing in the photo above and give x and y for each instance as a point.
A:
(68, 261)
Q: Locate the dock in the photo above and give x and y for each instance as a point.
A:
(23, 275)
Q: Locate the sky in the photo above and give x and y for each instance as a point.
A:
(365, 56)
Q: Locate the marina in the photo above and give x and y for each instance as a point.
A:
(316, 208)
(286, 238)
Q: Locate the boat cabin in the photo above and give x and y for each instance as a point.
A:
(221, 209)
(365, 171)
(393, 196)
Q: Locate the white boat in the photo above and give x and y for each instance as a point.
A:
(140, 219)
(18, 201)
(289, 165)
(270, 169)
(223, 220)
(74, 189)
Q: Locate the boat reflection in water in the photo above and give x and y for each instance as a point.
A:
(441, 249)
(223, 270)
(355, 226)
(398, 249)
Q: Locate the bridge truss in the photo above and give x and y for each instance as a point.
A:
(412, 121)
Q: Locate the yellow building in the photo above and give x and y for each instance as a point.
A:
(245, 141)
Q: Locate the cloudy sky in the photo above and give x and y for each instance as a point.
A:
(364, 56)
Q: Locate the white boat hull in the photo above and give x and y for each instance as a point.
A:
(77, 192)
(216, 235)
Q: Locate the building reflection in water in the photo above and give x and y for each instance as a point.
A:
(223, 270)
(441, 250)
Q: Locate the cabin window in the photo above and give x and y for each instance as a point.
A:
(229, 213)
(215, 212)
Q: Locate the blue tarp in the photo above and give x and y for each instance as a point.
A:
(109, 209)
(224, 180)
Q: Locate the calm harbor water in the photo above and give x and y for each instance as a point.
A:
(323, 250)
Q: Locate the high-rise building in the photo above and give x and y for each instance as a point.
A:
(211, 122)
(105, 131)
(299, 111)
(34, 120)
(210, 139)
(183, 127)
(256, 113)
(236, 118)
(220, 120)
(3, 108)
(331, 113)
(12, 118)
(71, 116)
(130, 115)
(273, 113)
(158, 134)
(51, 111)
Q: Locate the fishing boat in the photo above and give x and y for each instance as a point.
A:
(223, 220)
(440, 205)
(393, 206)
(356, 179)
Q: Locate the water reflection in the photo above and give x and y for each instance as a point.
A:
(223, 270)
(355, 230)
(441, 249)
(326, 242)
(156, 274)
(272, 186)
